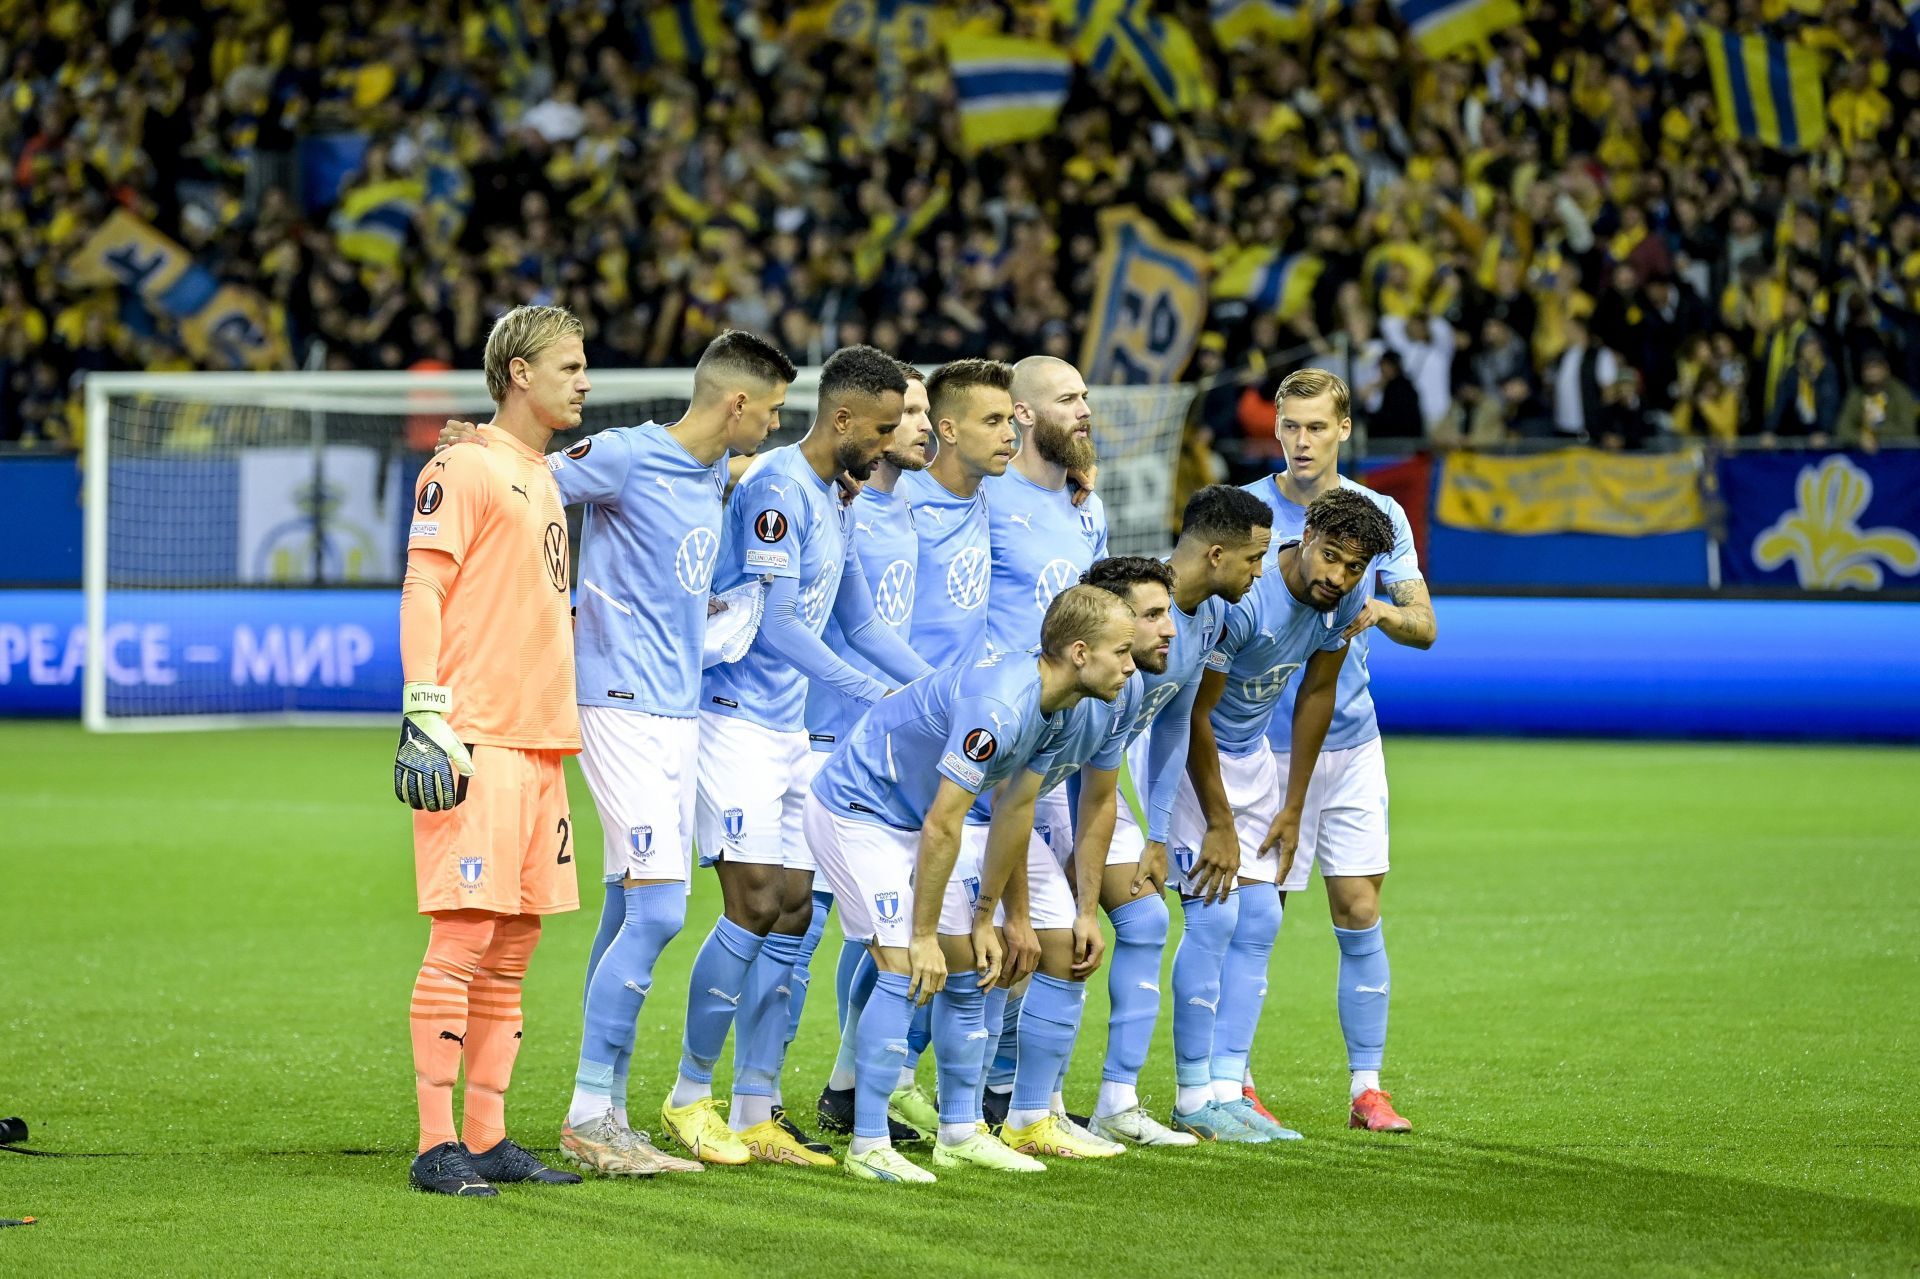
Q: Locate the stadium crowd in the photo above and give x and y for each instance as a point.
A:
(1546, 238)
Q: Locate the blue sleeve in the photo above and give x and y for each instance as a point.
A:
(1167, 759)
(1234, 633)
(860, 622)
(794, 643)
(974, 740)
(1113, 751)
(1402, 563)
(594, 471)
(766, 528)
(1334, 638)
(1100, 543)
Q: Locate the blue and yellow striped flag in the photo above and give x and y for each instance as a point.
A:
(1009, 89)
(681, 33)
(1267, 280)
(907, 26)
(1765, 90)
(373, 220)
(1254, 20)
(1441, 26)
(1162, 54)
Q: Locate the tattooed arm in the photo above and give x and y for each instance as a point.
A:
(1408, 620)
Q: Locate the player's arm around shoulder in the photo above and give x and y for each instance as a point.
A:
(594, 471)
(1409, 619)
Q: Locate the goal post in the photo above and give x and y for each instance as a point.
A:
(245, 533)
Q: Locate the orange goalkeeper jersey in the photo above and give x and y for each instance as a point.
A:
(506, 642)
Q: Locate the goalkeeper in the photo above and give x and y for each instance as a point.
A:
(487, 650)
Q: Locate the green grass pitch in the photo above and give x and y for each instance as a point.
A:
(1655, 1012)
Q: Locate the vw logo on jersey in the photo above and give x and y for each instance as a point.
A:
(1266, 686)
(555, 546)
(967, 578)
(693, 562)
(1150, 704)
(888, 907)
(893, 593)
(1057, 576)
(813, 600)
(734, 822)
(640, 840)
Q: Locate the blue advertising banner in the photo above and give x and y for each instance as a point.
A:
(1838, 521)
(1564, 667)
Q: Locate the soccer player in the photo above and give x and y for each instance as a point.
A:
(649, 542)
(785, 522)
(885, 814)
(1042, 542)
(1230, 808)
(888, 547)
(1223, 539)
(487, 659)
(971, 408)
(1090, 747)
(1344, 828)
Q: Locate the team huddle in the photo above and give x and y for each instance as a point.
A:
(911, 706)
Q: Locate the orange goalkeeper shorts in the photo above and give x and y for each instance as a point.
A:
(507, 847)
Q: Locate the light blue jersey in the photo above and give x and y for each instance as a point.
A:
(1166, 707)
(955, 563)
(1094, 735)
(648, 545)
(884, 541)
(786, 524)
(1269, 636)
(1042, 542)
(1353, 718)
(974, 724)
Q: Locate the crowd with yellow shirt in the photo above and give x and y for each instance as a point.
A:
(1544, 235)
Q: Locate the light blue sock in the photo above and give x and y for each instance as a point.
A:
(851, 953)
(1243, 981)
(613, 913)
(993, 1016)
(919, 1035)
(883, 1046)
(803, 962)
(1133, 986)
(1362, 995)
(714, 990)
(1049, 1020)
(1066, 1063)
(760, 1039)
(859, 989)
(1196, 986)
(653, 915)
(959, 1047)
(1006, 1050)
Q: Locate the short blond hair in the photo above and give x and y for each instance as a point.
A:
(1077, 614)
(1304, 384)
(522, 334)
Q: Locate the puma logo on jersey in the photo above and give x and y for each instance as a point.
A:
(664, 483)
(780, 490)
(861, 526)
(935, 514)
(522, 492)
(1024, 521)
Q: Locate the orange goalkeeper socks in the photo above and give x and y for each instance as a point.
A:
(493, 1030)
(439, 1015)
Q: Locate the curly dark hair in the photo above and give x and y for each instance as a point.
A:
(1350, 518)
(1121, 573)
(859, 370)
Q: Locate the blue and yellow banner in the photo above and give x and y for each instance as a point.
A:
(1842, 521)
(373, 220)
(1441, 27)
(681, 33)
(1765, 90)
(1148, 307)
(1161, 54)
(1235, 21)
(1572, 491)
(901, 26)
(221, 325)
(1009, 89)
(1267, 280)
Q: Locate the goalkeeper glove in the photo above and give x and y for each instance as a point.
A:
(429, 753)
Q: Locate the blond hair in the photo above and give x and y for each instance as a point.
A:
(1304, 384)
(1077, 614)
(522, 334)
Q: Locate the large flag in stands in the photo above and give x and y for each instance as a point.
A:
(1442, 26)
(1765, 90)
(1009, 89)
(1161, 54)
(1148, 306)
(1254, 20)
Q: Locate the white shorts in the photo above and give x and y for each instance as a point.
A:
(1049, 896)
(753, 782)
(1129, 836)
(1254, 795)
(640, 768)
(1053, 822)
(1344, 824)
(870, 868)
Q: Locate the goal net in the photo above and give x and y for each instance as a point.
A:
(246, 533)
